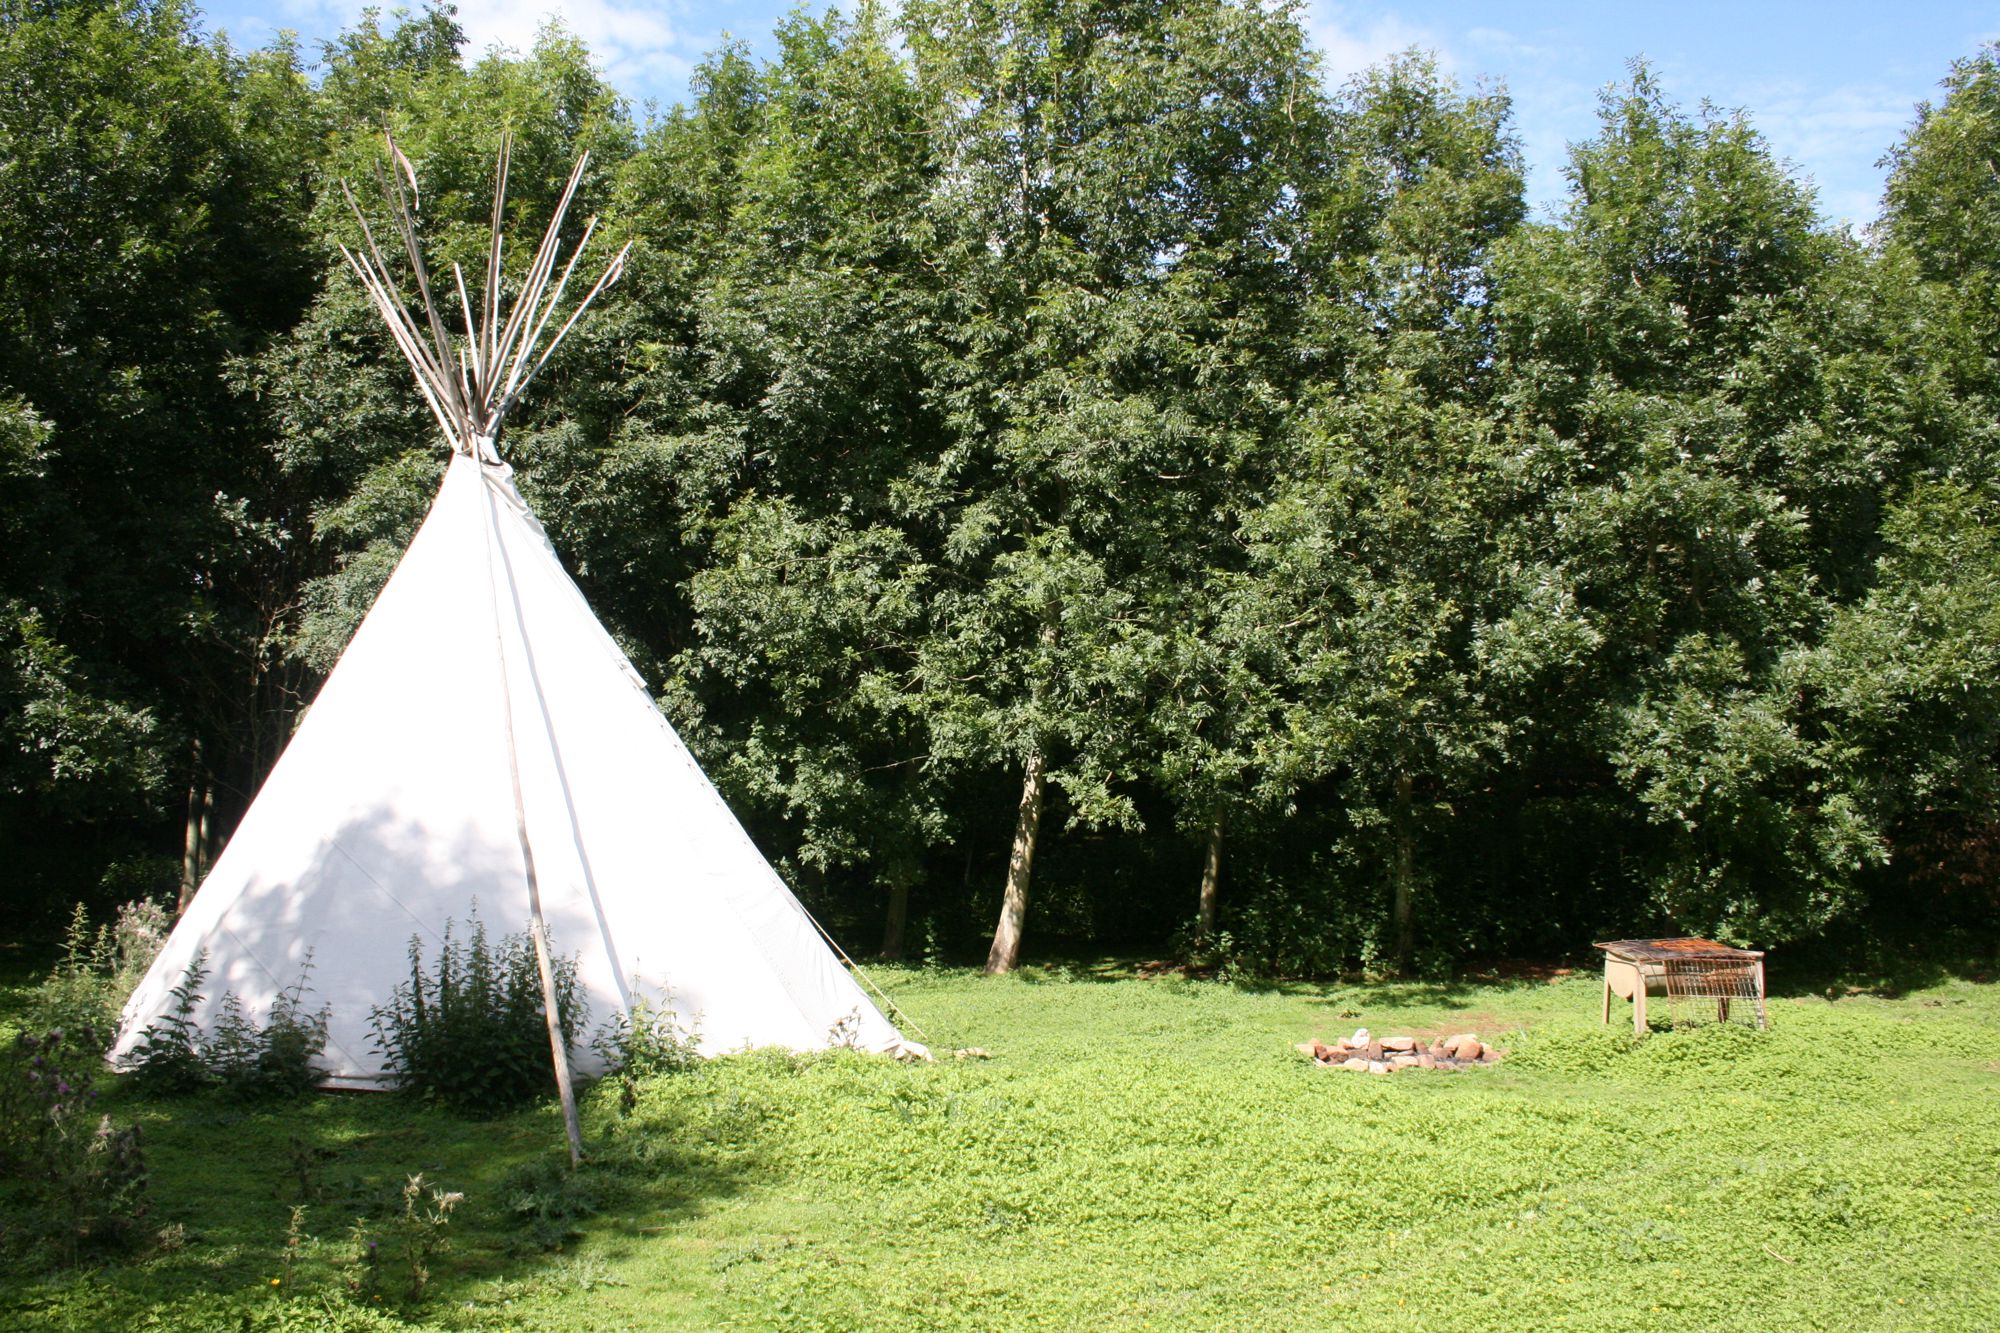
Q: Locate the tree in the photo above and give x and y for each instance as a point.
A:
(1692, 485)
(151, 226)
(1378, 546)
(1113, 199)
(1942, 202)
(815, 578)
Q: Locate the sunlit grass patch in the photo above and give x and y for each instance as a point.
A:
(1150, 1153)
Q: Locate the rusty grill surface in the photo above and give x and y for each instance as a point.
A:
(1660, 951)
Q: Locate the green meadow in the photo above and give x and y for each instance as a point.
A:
(1134, 1152)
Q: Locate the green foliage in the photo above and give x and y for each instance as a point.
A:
(72, 741)
(468, 1030)
(99, 968)
(645, 1041)
(149, 234)
(246, 1061)
(1722, 765)
(1942, 205)
(548, 1201)
(271, 1061)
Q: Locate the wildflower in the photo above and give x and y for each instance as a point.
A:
(276, 1280)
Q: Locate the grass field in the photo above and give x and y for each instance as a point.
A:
(1143, 1153)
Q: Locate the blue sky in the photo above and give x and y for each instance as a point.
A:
(1832, 84)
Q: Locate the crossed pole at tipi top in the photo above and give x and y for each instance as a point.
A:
(469, 386)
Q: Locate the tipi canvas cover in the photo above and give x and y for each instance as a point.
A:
(391, 813)
(482, 721)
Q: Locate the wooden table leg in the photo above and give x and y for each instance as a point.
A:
(1607, 995)
(1763, 1019)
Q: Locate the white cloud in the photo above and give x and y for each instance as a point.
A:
(1841, 122)
(1835, 137)
(616, 32)
(1500, 42)
(1353, 43)
(637, 42)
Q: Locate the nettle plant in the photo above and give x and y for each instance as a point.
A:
(468, 1030)
(648, 1040)
(246, 1060)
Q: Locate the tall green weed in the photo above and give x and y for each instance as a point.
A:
(101, 963)
(246, 1060)
(468, 1029)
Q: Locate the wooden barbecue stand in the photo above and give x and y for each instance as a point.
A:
(1682, 969)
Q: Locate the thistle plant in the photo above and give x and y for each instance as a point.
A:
(419, 1232)
(288, 1258)
(78, 1181)
(366, 1249)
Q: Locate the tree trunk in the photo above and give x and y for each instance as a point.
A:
(204, 842)
(1006, 950)
(190, 848)
(1211, 880)
(194, 838)
(899, 915)
(1403, 872)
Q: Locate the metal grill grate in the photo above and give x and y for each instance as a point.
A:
(1723, 980)
(1689, 973)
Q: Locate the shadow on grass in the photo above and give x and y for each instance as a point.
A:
(1459, 991)
(224, 1181)
(21, 970)
(1886, 962)
(1885, 973)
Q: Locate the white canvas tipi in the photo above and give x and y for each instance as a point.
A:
(483, 741)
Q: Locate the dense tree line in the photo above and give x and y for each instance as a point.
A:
(1060, 464)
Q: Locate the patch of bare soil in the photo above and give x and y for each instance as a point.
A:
(1483, 1020)
(1522, 969)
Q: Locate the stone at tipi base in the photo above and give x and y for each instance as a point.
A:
(1391, 1055)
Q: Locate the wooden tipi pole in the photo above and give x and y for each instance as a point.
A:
(539, 928)
(469, 389)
